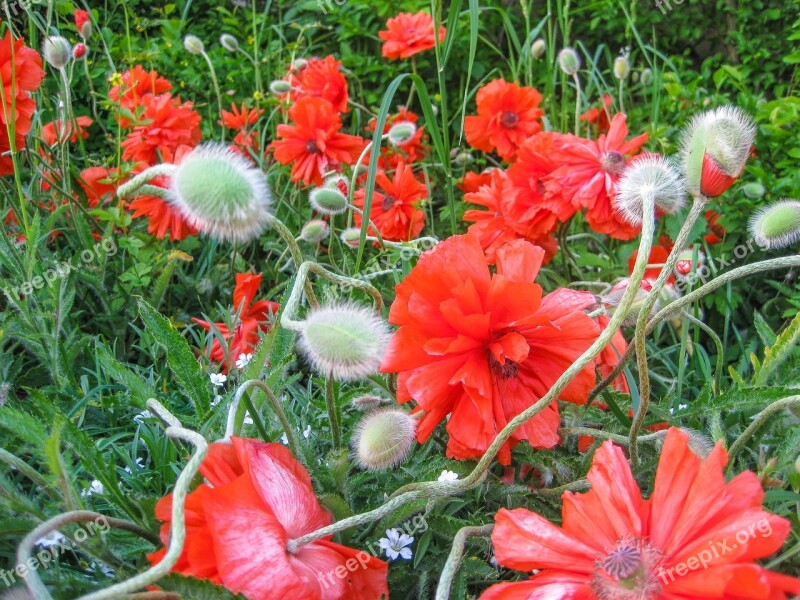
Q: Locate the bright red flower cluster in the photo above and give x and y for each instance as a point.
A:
(483, 347)
(408, 34)
(697, 536)
(20, 74)
(257, 498)
(319, 78)
(243, 120)
(252, 317)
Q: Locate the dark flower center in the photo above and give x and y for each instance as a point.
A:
(505, 370)
(509, 119)
(388, 202)
(613, 162)
(622, 562)
(312, 147)
(630, 570)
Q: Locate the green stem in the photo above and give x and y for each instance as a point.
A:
(297, 255)
(216, 86)
(454, 559)
(717, 342)
(333, 413)
(758, 422)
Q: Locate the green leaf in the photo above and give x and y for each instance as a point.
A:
(778, 352)
(190, 588)
(139, 389)
(738, 398)
(191, 378)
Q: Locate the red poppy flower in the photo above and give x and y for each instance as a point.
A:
(657, 257)
(253, 318)
(697, 537)
(472, 182)
(55, 132)
(163, 217)
(408, 34)
(395, 204)
(409, 152)
(508, 114)
(589, 172)
(98, 183)
(242, 120)
(258, 496)
(313, 145)
(19, 76)
(483, 348)
(319, 78)
(497, 226)
(168, 124)
(599, 116)
(716, 232)
(136, 84)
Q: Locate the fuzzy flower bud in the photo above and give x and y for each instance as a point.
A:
(299, 64)
(328, 200)
(314, 231)
(754, 190)
(715, 148)
(83, 23)
(221, 193)
(622, 66)
(193, 44)
(56, 51)
(338, 182)
(776, 226)
(351, 237)
(538, 48)
(229, 42)
(279, 87)
(367, 403)
(685, 264)
(649, 176)
(401, 133)
(383, 438)
(699, 442)
(646, 77)
(345, 341)
(569, 61)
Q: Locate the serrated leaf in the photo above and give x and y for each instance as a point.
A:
(182, 363)
(139, 389)
(738, 398)
(190, 588)
(779, 351)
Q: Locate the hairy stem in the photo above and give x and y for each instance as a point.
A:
(454, 559)
(758, 422)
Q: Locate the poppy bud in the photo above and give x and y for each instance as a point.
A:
(57, 51)
(328, 200)
(699, 443)
(367, 403)
(649, 176)
(230, 43)
(646, 77)
(299, 64)
(715, 148)
(351, 237)
(797, 465)
(754, 189)
(344, 341)
(569, 61)
(193, 44)
(83, 24)
(622, 66)
(776, 226)
(685, 264)
(79, 51)
(383, 438)
(401, 132)
(463, 158)
(221, 193)
(338, 182)
(538, 48)
(314, 231)
(280, 87)
(612, 299)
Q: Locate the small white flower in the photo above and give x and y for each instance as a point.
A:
(248, 420)
(284, 440)
(217, 399)
(307, 432)
(139, 465)
(94, 488)
(395, 544)
(448, 476)
(105, 570)
(51, 539)
(493, 561)
(244, 360)
(218, 379)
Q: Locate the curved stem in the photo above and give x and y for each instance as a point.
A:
(698, 205)
(717, 342)
(216, 86)
(434, 489)
(178, 530)
(577, 104)
(607, 435)
(274, 403)
(32, 580)
(785, 262)
(759, 421)
(333, 413)
(132, 187)
(454, 559)
(293, 303)
(294, 249)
